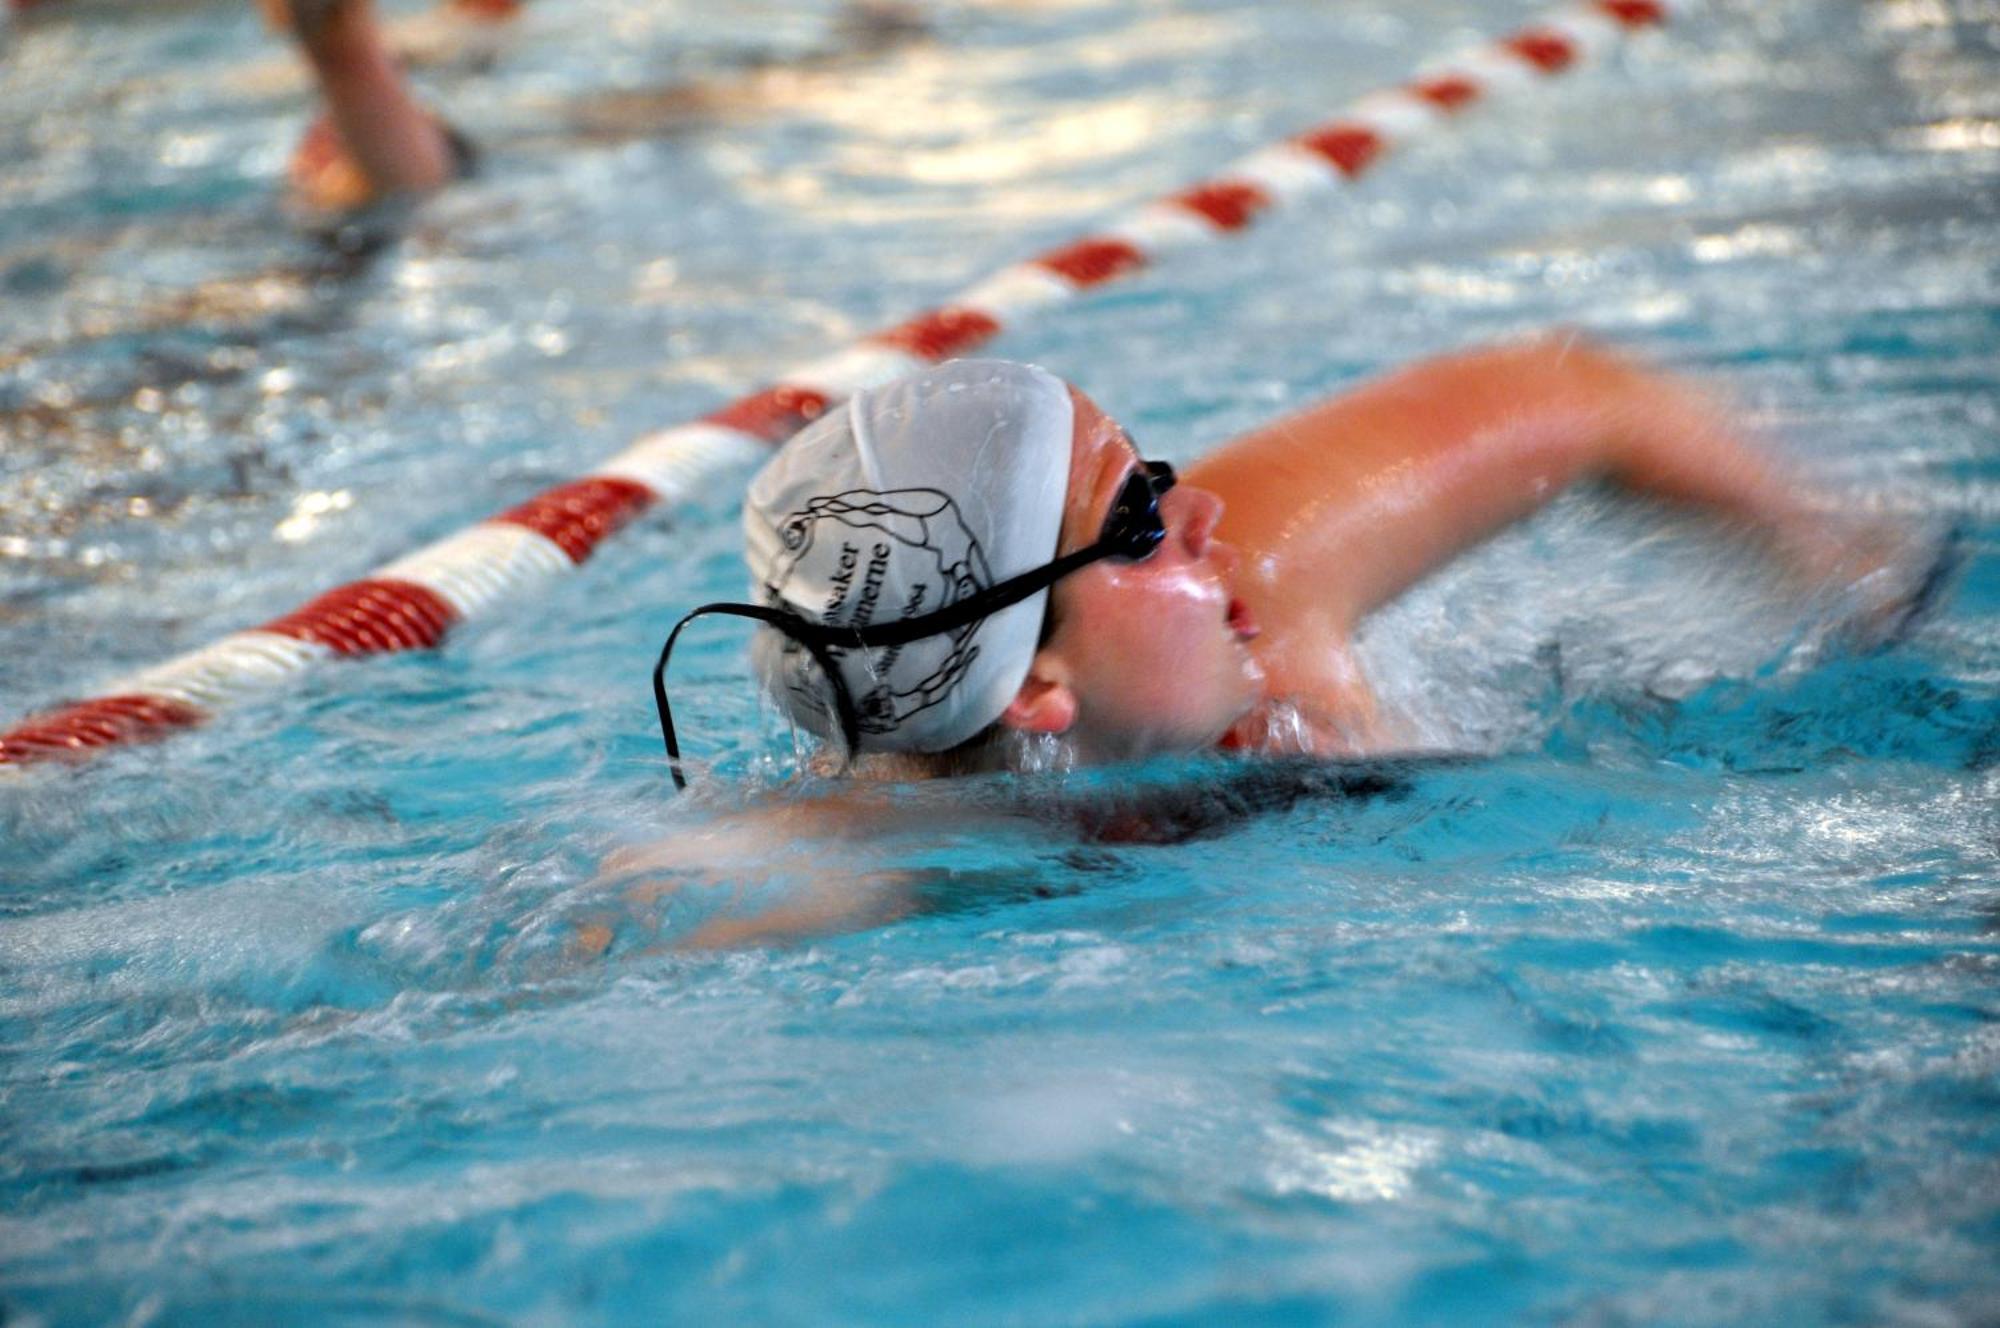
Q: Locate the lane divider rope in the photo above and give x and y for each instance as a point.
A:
(415, 601)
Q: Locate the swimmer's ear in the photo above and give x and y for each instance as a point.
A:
(1043, 705)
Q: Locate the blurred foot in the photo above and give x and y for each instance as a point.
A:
(324, 176)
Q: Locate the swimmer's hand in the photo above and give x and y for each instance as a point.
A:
(824, 843)
(831, 904)
(1875, 576)
(1319, 703)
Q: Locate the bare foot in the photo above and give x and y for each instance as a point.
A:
(323, 174)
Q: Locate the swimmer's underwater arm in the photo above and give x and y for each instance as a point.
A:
(813, 837)
(846, 893)
(1138, 810)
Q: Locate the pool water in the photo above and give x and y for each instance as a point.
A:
(1680, 1002)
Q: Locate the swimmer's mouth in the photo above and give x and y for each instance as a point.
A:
(1240, 621)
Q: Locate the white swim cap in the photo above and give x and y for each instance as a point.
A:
(904, 500)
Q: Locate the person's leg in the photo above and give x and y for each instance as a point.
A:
(376, 140)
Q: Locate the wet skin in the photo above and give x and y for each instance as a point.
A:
(375, 140)
(1239, 629)
(1236, 630)
(1142, 656)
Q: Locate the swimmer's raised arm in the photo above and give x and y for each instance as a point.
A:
(1349, 502)
(1339, 508)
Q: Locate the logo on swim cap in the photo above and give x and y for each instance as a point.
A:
(904, 500)
(868, 556)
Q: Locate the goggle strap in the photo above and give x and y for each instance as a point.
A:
(784, 621)
(984, 604)
(819, 638)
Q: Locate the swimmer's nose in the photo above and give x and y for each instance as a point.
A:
(1192, 514)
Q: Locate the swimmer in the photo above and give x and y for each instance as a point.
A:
(979, 552)
(975, 568)
(374, 141)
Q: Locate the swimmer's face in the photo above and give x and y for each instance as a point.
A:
(1146, 656)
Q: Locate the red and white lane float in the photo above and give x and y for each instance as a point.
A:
(414, 602)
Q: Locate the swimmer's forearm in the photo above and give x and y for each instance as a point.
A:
(1672, 440)
(830, 907)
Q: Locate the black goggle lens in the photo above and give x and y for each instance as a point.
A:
(1134, 527)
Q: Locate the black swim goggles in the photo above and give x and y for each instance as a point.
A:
(1132, 530)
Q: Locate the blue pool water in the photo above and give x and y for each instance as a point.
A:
(1676, 1004)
